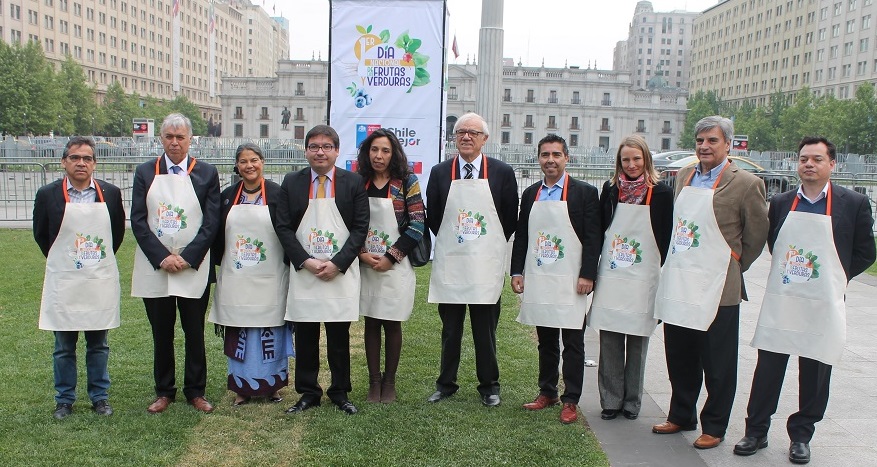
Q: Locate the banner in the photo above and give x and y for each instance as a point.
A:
(175, 41)
(388, 71)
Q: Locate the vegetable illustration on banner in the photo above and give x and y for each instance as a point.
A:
(624, 252)
(469, 226)
(548, 249)
(170, 219)
(248, 252)
(323, 244)
(87, 250)
(799, 266)
(377, 242)
(685, 236)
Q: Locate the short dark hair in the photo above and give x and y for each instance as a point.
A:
(324, 130)
(78, 141)
(246, 147)
(552, 138)
(398, 163)
(808, 140)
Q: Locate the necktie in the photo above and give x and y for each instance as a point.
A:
(176, 169)
(321, 186)
(469, 168)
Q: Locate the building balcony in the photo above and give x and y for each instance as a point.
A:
(529, 125)
(604, 127)
(606, 102)
(575, 127)
(239, 116)
(551, 126)
(531, 99)
(264, 117)
(299, 92)
(666, 131)
(575, 101)
(506, 123)
(552, 100)
(640, 129)
(299, 117)
(453, 97)
(506, 98)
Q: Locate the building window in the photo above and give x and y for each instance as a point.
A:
(238, 130)
(507, 95)
(552, 97)
(604, 142)
(665, 143)
(604, 124)
(575, 98)
(574, 123)
(506, 120)
(299, 89)
(530, 97)
(666, 127)
(299, 114)
(552, 123)
(264, 115)
(573, 140)
(606, 99)
(239, 112)
(528, 138)
(263, 131)
(505, 137)
(640, 126)
(528, 121)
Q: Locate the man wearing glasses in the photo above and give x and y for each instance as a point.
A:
(79, 223)
(472, 208)
(321, 221)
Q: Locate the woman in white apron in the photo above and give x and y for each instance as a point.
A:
(638, 220)
(397, 222)
(249, 301)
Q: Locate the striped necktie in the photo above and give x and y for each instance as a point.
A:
(469, 168)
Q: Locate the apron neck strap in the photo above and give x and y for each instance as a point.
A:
(97, 188)
(562, 194)
(158, 165)
(237, 198)
(389, 190)
(454, 168)
(718, 179)
(795, 202)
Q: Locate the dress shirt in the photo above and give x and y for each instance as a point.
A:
(327, 188)
(88, 195)
(822, 194)
(708, 179)
(184, 165)
(554, 192)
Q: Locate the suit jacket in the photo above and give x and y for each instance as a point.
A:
(49, 207)
(583, 206)
(741, 212)
(205, 180)
(227, 200)
(851, 225)
(503, 189)
(351, 200)
(660, 211)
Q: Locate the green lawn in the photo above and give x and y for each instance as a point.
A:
(459, 431)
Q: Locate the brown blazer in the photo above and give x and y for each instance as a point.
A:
(741, 213)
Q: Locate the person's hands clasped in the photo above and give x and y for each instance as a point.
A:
(383, 264)
(174, 263)
(324, 269)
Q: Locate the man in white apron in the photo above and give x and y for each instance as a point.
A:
(820, 237)
(720, 229)
(175, 218)
(79, 223)
(555, 254)
(472, 208)
(322, 221)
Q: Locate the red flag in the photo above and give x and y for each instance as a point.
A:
(454, 48)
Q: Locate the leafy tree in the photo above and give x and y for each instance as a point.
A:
(78, 113)
(860, 120)
(119, 110)
(794, 119)
(825, 120)
(29, 100)
(702, 104)
(181, 104)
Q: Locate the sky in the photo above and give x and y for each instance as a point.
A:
(560, 32)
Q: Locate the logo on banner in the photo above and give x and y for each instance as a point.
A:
(799, 266)
(87, 250)
(624, 252)
(685, 236)
(248, 252)
(170, 219)
(469, 226)
(322, 243)
(548, 249)
(407, 136)
(377, 242)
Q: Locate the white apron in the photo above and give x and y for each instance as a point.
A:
(803, 311)
(469, 261)
(385, 295)
(696, 267)
(175, 217)
(551, 274)
(630, 266)
(81, 289)
(322, 233)
(252, 282)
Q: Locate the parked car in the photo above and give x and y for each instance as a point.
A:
(662, 159)
(774, 183)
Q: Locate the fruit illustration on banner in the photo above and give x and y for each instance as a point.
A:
(382, 64)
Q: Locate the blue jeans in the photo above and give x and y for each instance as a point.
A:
(97, 353)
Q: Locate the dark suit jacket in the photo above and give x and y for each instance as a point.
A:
(227, 200)
(851, 223)
(660, 211)
(205, 180)
(48, 212)
(351, 200)
(583, 205)
(503, 188)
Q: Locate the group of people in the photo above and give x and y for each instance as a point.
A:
(329, 245)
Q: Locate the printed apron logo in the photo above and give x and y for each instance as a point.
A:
(799, 266)
(548, 249)
(322, 243)
(170, 219)
(248, 252)
(377, 242)
(624, 252)
(685, 236)
(87, 250)
(469, 226)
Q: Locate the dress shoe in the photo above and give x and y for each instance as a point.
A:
(345, 406)
(569, 413)
(668, 428)
(62, 411)
(630, 415)
(201, 404)
(706, 441)
(799, 453)
(438, 395)
(301, 406)
(160, 404)
(609, 414)
(490, 400)
(102, 407)
(542, 401)
(749, 445)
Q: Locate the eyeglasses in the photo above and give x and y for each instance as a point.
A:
(471, 133)
(317, 147)
(76, 158)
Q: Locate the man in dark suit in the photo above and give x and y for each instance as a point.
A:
(319, 181)
(853, 238)
(50, 211)
(452, 283)
(170, 269)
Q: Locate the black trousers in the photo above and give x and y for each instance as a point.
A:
(483, 319)
(573, 362)
(697, 357)
(307, 360)
(814, 378)
(162, 314)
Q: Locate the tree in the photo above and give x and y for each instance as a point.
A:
(181, 104)
(793, 121)
(29, 99)
(860, 120)
(119, 110)
(78, 112)
(703, 104)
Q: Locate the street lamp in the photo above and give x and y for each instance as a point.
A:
(25, 123)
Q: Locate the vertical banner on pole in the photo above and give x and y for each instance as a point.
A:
(387, 71)
(175, 40)
(211, 60)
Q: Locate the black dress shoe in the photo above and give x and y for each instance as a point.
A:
(609, 414)
(301, 406)
(438, 395)
(345, 406)
(490, 400)
(62, 411)
(749, 445)
(799, 453)
(630, 415)
(102, 407)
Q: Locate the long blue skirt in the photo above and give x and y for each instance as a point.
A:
(258, 359)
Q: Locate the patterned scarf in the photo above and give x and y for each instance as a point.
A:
(632, 191)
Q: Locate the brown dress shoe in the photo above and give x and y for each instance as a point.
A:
(569, 413)
(201, 404)
(668, 428)
(160, 405)
(706, 441)
(541, 402)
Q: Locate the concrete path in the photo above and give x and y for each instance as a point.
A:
(847, 436)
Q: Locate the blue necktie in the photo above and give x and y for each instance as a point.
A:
(176, 169)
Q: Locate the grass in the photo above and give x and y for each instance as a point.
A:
(458, 431)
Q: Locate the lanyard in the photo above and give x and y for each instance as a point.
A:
(100, 193)
(454, 169)
(237, 197)
(827, 202)
(158, 164)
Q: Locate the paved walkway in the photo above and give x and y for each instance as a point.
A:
(847, 436)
